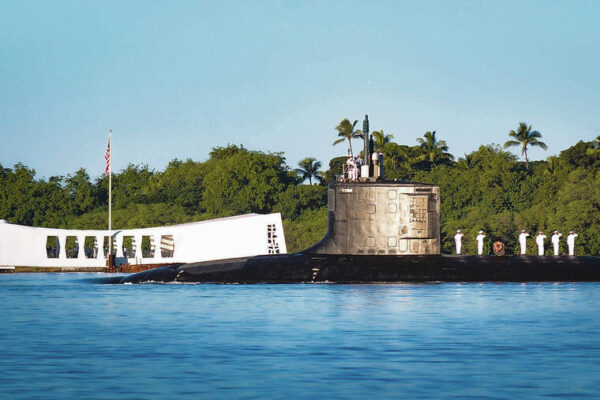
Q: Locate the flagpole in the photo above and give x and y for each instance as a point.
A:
(110, 242)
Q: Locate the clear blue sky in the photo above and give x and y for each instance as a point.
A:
(175, 78)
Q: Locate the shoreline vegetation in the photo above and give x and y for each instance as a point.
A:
(488, 189)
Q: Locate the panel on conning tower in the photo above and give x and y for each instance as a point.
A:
(418, 216)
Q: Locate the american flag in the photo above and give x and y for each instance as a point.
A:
(107, 157)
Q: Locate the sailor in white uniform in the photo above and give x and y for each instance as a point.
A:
(480, 238)
(458, 241)
(359, 163)
(571, 242)
(351, 168)
(555, 239)
(523, 242)
(539, 239)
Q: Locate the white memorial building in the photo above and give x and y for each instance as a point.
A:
(232, 237)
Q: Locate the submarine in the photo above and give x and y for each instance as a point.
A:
(378, 231)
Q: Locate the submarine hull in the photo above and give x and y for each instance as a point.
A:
(315, 268)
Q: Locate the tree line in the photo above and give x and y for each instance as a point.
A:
(488, 189)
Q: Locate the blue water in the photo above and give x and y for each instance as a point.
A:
(65, 336)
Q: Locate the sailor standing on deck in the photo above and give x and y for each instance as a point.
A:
(480, 238)
(523, 242)
(571, 242)
(556, 241)
(458, 241)
(539, 239)
(351, 168)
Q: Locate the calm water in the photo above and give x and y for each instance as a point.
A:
(65, 336)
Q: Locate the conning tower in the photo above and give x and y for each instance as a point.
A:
(370, 216)
(381, 218)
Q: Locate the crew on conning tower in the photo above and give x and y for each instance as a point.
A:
(369, 169)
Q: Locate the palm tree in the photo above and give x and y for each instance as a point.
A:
(381, 139)
(433, 149)
(469, 162)
(346, 131)
(524, 136)
(309, 168)
(395, 154)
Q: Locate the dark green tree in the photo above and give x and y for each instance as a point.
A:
(433, 150)
(595, 150)
(82, 192)
(335, 168)
(380, 139)
(181, 184)
(239, 181)
(309, 168)
(298, 199)
(469, 161)
(552, 165)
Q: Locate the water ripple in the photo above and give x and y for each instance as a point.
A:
(64, 337)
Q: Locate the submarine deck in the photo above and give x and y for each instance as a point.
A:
(313, 268)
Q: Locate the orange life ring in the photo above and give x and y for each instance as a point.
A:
(499, 248)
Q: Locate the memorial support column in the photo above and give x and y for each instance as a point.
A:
(119, 240)
(99, 246)
(62, 246)
(81, 245)
(139, 253)
(157, 253)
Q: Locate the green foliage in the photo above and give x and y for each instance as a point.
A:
(581, 155)
(309, 168)
(335, 169)
(434, 151)
(181, 184)
(470, 161)
(399, 160)
(244, 181)
(307, 230)
(381, 139)
(297, 199)
(488, 189)
(132, 185)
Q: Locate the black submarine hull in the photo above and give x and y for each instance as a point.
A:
(319, 268)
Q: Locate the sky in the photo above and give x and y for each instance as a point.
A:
(174, 79)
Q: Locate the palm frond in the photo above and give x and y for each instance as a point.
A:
(539, 144)
(535, 134)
